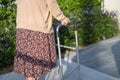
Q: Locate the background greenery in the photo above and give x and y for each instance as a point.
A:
(95, 25)
(7, 32)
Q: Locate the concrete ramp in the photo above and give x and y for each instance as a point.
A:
(85, 74)
(103, 57)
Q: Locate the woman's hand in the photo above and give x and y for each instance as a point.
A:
(65, 21)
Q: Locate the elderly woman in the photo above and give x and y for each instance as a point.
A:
(35, 51)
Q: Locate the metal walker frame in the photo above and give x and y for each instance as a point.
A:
(62, 77)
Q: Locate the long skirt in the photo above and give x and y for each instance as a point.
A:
(35, 53)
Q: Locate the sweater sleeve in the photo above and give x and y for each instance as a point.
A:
(55, 10)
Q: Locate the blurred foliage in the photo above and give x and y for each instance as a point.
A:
(95, 25)
(7, 32)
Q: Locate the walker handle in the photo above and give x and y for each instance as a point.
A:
(75, 21)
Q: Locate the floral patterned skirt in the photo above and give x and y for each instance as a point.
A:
(35, 53)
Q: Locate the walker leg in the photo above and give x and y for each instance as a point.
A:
(77, 53)
(60, 60)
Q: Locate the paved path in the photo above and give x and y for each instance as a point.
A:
(103, 56)
(85, 73)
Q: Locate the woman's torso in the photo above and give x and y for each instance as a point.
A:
(34, 15)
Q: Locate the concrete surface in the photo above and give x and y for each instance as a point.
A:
(103, 56)
(85, 74)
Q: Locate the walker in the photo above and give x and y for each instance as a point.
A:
(60, 69)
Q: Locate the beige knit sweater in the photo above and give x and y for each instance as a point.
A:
(37, 15)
